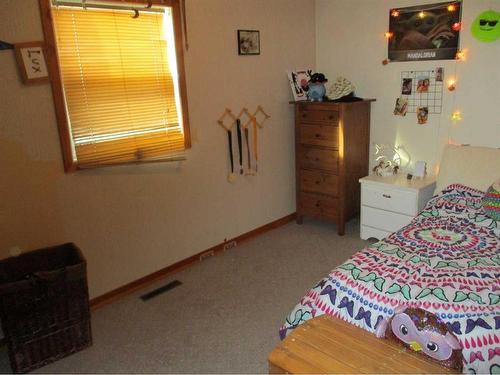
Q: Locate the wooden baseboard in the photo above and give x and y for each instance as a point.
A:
(145, 281)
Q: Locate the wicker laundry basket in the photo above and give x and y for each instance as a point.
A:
(44, 306)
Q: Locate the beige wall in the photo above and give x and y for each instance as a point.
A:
(351, 43)
(133, 220)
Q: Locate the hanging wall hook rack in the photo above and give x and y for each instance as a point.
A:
(221, 120)
(5, 45)
(259, 109)
(244, 112)
(254, 121)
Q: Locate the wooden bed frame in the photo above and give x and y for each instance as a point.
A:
(330, 345)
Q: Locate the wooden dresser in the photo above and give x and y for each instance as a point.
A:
(332, 143)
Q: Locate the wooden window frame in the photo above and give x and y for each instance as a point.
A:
(56, 82)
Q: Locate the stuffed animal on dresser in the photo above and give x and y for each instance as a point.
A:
(424, 333)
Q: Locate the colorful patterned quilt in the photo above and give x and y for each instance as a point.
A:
(446, 261)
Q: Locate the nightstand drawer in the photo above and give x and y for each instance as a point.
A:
(318, 182)
(404, 202)
(317, 158)
(318, 205)
(384, 220)
(319, 135)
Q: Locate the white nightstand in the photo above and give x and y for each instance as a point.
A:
(390, 203)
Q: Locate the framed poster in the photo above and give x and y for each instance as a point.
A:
(248, 42)
(31, 61)
(425, 32)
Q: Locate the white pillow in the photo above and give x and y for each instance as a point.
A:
(476, 167)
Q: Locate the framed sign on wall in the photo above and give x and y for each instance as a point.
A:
(31, 61)
(425, 32)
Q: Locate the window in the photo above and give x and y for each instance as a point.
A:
(118, 82)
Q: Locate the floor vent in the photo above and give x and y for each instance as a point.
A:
(162, 289)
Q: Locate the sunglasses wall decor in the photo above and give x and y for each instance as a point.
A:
(489, 23)
(485, 26)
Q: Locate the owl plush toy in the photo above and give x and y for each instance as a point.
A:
(425, 333)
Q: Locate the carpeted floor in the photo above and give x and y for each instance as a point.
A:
(224, 318)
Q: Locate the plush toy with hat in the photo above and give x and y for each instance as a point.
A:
(317, 89)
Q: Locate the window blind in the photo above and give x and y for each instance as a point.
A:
(119, 79)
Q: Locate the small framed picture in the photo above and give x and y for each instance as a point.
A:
(248, 42)
(31, 61)
(422, 114)
(423, 84)
(401, 107)
(406, 86)
(439, 74)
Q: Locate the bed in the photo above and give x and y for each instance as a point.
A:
(446, 261)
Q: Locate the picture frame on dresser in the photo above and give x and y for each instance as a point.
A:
(332, 141)
(299, 80)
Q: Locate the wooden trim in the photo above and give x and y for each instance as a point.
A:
(181, 71)
(299, 219)
(167, 3)
(342, 191)
(328, 102)
(56, 83)
(52, 61)
(145, 281)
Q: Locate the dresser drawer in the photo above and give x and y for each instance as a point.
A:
(384, 220)
(319, 135)
(318, 205)
(315, 115)
(403, 202)
(317, 158)
(318, 182)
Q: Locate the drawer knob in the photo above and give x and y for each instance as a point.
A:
(330, 117)
(317, 204)
(318, 182)
(317, 135)
(386, 196)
